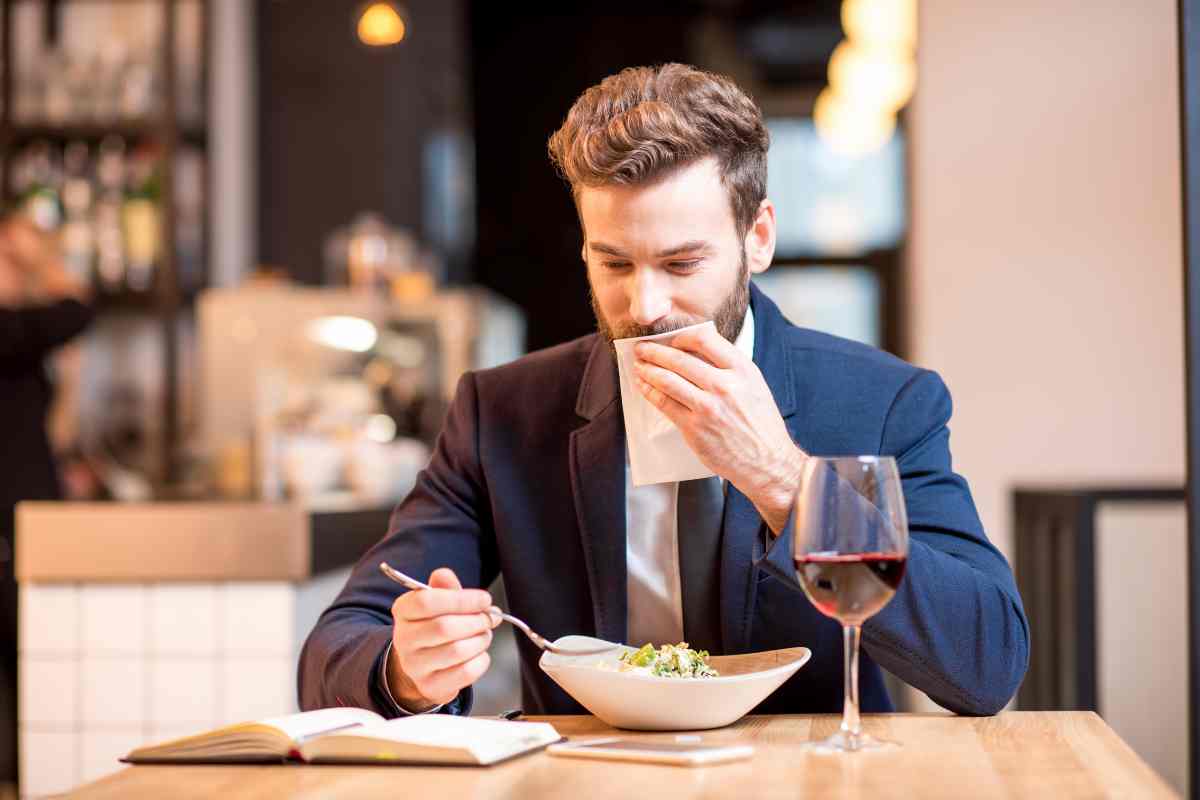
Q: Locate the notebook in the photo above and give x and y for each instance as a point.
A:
(356, 736)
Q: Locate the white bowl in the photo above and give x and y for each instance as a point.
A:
(648, 703)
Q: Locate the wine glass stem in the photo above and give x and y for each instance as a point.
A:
(851, 726)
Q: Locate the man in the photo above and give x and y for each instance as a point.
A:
(530, 476)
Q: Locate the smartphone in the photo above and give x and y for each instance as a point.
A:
(685, 754)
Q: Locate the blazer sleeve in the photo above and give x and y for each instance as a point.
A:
(956, 628)
(28, 333)
(444, 522)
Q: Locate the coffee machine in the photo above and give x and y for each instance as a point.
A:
(327, 393)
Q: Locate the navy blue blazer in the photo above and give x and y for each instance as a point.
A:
(528, 478)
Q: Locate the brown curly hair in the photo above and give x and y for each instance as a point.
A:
(644, 122)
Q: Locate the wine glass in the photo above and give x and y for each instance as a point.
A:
(850, 548)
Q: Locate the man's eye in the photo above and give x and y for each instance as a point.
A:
(615, 264)
(684, 266)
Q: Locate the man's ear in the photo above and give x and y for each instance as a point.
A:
(760, 239)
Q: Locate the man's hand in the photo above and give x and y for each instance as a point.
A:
(440, 638)
(33, 257)
(722, 405)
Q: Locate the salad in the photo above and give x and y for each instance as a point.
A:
(668, 661)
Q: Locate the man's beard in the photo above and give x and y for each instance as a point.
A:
(729, 316)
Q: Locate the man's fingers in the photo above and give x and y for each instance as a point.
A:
(451, 654)
(444, 685)
(444, 578)
(673, 389)
(429, 603)
(709, 345)
(685, 364)
(446, 628)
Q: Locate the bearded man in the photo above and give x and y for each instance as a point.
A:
(530, 476)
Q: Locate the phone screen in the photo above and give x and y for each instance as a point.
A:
(653, 747)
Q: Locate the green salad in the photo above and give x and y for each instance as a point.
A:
(668, 661)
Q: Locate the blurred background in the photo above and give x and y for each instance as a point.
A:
(301, 222)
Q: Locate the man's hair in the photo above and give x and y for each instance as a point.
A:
(644, 122)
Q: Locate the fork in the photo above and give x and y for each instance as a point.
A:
(541, 641)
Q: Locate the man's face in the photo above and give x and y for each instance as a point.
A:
(665, 255)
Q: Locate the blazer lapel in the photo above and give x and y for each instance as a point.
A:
(744, 529)
(597, 458)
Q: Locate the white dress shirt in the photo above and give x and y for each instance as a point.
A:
(653, 596)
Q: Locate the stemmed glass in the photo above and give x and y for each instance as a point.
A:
(850, 549)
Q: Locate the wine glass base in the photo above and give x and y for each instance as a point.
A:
(843, 742)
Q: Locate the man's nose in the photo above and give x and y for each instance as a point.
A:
(649, 299)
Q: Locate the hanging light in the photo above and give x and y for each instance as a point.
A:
(850, 128)
(884, 24)
(872, 76)
(381, 25)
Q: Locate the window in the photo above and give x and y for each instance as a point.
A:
(842, 223)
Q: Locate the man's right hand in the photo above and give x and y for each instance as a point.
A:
(440, 638)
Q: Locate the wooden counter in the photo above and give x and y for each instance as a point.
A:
(1017, 754)
(188, 541)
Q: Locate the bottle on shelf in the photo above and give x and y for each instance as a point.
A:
(37, 178)
(139, 218)
(110, 240)
(76, 235)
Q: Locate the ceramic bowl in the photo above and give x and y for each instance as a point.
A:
(648, 703)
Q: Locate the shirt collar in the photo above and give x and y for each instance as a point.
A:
(745, 339)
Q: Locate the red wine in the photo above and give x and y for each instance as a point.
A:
(851, 587)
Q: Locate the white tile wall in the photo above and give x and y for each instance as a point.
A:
(257, 687)
(54, 627)
(184, 619)
(113, 691)
(113, 618)
(109, 667)
(49, 692)
(99, 751)
(183, 691)
(49, 762)
(258, 618)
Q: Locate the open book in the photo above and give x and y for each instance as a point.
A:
(354, 735)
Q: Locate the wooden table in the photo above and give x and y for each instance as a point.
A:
(1016, 754)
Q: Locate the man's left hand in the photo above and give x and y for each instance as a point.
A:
(720, 402)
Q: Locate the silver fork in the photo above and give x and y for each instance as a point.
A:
(541, 641)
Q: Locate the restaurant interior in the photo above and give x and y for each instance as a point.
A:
(298, 224)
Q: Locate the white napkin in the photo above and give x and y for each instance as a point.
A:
(658, 452)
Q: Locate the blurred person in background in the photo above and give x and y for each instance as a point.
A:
(42, 306)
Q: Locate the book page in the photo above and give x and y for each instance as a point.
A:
(307, 724)
(486, 740)
(445, 730)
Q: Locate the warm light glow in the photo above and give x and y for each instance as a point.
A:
(851, 128)
(380, 428)
(882, 79)
(882, 24)
(343, 333)
(381, 25)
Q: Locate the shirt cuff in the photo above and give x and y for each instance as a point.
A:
(385, 691)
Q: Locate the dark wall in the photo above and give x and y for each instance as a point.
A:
(341, 125)
(526, 72)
